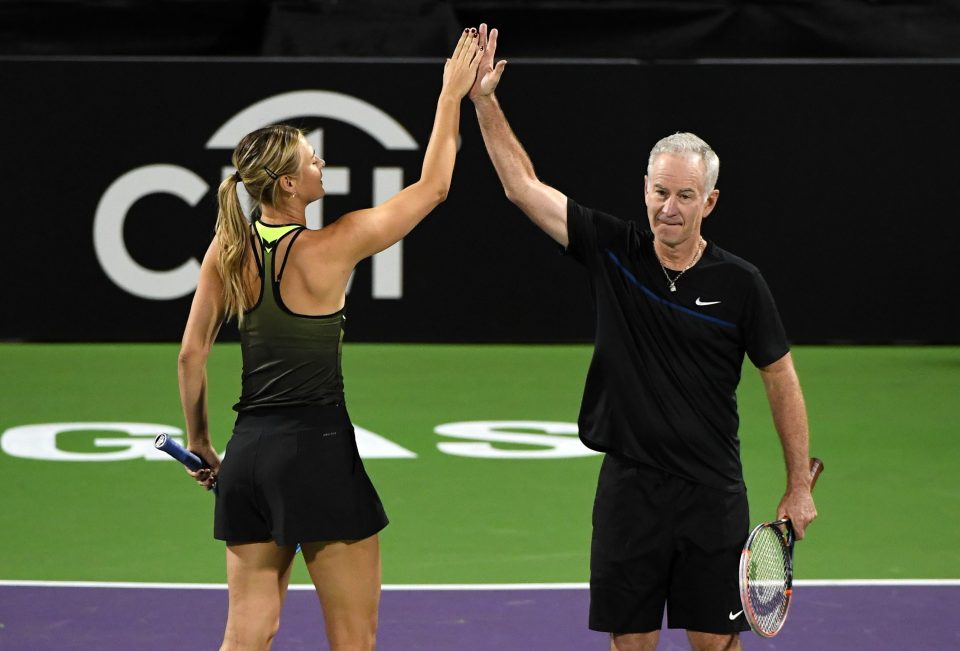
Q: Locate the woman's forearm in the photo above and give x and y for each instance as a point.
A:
(192, 376)
(441, 153)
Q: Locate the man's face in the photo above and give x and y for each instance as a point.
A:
(673, 192)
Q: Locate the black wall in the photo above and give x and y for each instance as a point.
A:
(641, 29)
(837, 180)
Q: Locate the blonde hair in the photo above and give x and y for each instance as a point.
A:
(690, 144)
(261, 158)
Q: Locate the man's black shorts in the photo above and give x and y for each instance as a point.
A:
(661, 539)
(294, 475)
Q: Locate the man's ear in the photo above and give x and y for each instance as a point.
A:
(711, 202)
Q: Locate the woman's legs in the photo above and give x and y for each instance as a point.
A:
(346, 575)
(257, 578)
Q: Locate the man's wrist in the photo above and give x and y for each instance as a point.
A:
(484, 100)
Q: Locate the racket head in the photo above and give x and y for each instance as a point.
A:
(766, 576)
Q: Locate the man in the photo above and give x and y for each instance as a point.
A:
(675, 316)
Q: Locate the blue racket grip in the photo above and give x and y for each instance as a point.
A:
(180, 453)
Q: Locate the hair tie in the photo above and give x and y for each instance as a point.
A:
(236, 177)
(270, 172)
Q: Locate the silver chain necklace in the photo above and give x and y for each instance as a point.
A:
(696, 256)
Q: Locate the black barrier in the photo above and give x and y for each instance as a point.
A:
(836, 180)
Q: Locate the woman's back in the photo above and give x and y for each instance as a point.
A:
(291, 347)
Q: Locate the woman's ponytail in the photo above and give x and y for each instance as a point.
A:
(261, 158)
(232, 235)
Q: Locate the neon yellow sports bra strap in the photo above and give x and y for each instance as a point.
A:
(270, 235)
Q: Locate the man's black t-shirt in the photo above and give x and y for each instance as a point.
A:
(662, 384)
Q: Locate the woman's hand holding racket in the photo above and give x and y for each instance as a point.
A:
(201, 462)
(207, 475)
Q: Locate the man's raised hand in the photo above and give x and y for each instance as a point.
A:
(489, 74)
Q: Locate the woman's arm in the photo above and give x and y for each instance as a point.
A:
(365, 232)
(206, 314)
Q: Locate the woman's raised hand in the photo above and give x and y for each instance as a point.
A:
(460, 70)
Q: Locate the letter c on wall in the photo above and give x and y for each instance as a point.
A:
(108, 221)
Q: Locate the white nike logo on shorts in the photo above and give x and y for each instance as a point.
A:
(734, 615)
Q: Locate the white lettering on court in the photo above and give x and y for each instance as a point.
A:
(39, 441)
(545, 439)
(374, 446)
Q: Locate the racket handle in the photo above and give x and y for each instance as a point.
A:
(178, 452)
(816, 467)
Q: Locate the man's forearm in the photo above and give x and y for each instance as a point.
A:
(545, 206)
(790, 420)
(512, 163)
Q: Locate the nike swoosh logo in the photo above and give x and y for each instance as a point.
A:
(733, 616)
(699, 302)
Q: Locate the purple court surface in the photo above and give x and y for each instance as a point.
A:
(876, 616)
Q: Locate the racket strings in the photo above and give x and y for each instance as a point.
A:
(767, 572)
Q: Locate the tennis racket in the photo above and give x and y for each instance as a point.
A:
(766, 571)
(180, 453)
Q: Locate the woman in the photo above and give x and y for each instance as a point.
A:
(293, 474)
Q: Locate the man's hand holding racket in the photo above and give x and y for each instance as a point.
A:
(797, 504)
(766, 563)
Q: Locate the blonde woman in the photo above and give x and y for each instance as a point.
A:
(293, 474)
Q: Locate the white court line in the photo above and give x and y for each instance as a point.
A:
(879, 582)
(455, 586)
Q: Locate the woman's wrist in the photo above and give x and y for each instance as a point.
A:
(447, 95)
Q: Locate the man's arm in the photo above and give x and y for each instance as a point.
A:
(544, 205)
(790, 419)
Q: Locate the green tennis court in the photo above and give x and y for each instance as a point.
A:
(463, 509)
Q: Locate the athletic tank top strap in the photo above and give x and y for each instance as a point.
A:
(257, 245)
(286, 255)
(270, 237)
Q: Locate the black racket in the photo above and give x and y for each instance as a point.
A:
(766, 571)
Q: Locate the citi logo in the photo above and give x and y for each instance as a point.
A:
(158, 178)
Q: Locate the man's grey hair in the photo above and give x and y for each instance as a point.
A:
(688, 143)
